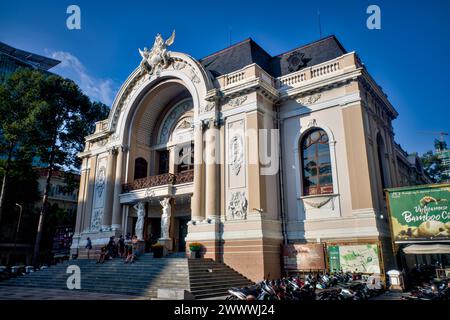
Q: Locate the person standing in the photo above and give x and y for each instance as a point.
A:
(88, 247)
(121, 245)
(111, 247)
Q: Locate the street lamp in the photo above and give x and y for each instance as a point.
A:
(18, 227)
(20, 217)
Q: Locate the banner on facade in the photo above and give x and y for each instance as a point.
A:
(304, 256)
(362, 258)
(420, 213)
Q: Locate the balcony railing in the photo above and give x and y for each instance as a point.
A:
(184, 177)
(159, 180)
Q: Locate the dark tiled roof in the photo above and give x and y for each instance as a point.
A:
(248, 51)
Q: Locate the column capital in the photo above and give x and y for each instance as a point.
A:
(112, 150)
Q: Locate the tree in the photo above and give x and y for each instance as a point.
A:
(434, 167)
(22, 189)
(19, 98)
(63, 119)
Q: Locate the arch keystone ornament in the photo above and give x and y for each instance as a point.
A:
(158, 57)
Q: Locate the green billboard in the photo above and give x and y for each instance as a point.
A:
(354, 258)
(420, 213)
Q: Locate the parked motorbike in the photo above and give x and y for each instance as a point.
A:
(434, 291)
(336, 286)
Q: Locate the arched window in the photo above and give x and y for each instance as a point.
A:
(140, 168)
(185, 157)
(316, 163)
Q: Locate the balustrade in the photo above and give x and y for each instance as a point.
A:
(159, 180)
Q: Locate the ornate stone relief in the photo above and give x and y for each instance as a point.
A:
(194, 76)
(236, 154)
(296, 60)
(237, 206)
(317, 202)
(100, 181)
(158, 57)
(146, 64)
(309, 99)
(236, 102)
(149, 194)
(179, 65)
(207, 107)
(312, 123)
(96, 220)
(101, 143)
(114, 137)
(185, 123)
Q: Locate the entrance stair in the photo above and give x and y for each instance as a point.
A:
(204, 278)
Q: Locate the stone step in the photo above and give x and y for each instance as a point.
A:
(119, 276)
(216, 279)
(209, 293)
(142, 278)
(219, 285)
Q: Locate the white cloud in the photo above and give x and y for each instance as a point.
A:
(99, 89)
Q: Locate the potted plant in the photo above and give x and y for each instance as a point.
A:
(158, 250)
(195, 248)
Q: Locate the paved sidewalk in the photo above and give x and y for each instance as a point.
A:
(390, 296)
(27, 293)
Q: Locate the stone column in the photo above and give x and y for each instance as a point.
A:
(109, 189)
(89, 193)
(74, 248)
(82, 196)
(196, 201)
(211, 159)
(172, 157)
(117, 207)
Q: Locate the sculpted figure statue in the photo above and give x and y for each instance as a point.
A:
(165, 218)
(158, 57)
(139, 230)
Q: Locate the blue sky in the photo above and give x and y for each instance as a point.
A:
(408, 57)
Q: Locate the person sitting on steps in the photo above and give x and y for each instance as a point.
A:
(130, 257)
(103, 255)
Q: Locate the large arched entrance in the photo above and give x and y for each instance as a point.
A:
(159, 166)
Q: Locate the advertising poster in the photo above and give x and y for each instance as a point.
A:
(420, 213)
(333, 258)
(304, 257)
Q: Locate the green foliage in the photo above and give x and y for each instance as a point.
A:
(45, 117)
(62, 120)
(195, 246)
(434, 167)
(19, 98)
